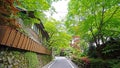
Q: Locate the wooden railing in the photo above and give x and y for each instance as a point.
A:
(13, 38)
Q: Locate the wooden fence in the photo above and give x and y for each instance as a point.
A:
(13, 38)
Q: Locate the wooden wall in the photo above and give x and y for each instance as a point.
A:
(13, 38)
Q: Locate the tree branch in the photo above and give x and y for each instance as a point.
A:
(112, 14)
(101, 24)
(94, 37)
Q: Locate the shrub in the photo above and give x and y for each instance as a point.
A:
(116, 65)
(85, 59)
(112, 62)
(32, 58)
(81, 62)
(77, 61)
(98, 63)
(85, 62)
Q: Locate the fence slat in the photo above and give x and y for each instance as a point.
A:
(6, 35)
(2, 32)
(17, 38)
(24, 42)
(11, 37)
(20, 41)
(27, 43)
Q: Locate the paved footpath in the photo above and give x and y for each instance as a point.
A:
(61, 62)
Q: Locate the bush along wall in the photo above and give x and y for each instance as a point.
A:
(14, 58)
(96, 63)
(46, 58)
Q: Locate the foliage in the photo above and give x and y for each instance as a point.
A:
(77, 61)
(113, 62)
(90, 16)
(98, 63)
(27, 20)
(94, 20)
(46, 58)
(92, 52)
(111, 50)
(52, 26)
(32, 58)
(59, 39)
(116, 65)
(76, 53)
(38, 6)
(35, 4)
(83, 47)
(95, 63)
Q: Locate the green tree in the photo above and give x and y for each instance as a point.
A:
(59, 39)
(95, 20)
(36, 8)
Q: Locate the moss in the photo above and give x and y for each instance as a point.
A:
(32, 58)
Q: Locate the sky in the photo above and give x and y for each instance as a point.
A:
(60, 8)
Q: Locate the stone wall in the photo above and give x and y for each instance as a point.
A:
(14, 58)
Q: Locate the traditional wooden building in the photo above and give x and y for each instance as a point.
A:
(25, 38)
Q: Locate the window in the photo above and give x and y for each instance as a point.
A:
(35, 29)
